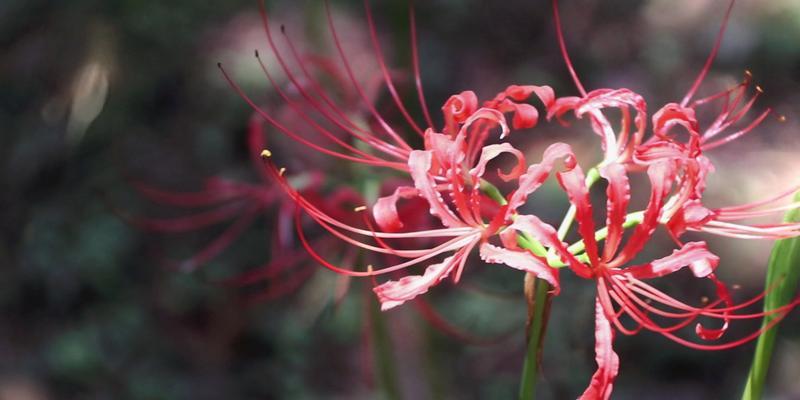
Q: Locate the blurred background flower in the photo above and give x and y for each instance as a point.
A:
(94, 92)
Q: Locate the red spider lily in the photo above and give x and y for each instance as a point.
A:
(464, 228)
(621, 291)
(684, 211)
(447, 174)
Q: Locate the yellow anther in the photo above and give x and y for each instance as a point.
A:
(736, 286)
(781, 118)
(704, 299)
(759, 89)
(748, 74)
(281, 171)
(360, 208)
(266, 153)
(370, 268)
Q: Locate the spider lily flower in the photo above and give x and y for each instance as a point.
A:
(458, 208)
(622, 146)
(446, 173)
(629, 147)
(623, 291)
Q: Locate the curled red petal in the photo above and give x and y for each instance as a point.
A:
(618, 195)
(672, 115)
(457, 109)
(521, 260)
(385, 209)
(490, 152)
(419, 163)
(394, 293)
(661, 176)
(607, 360)
(536, 174)
(574, 183)
(694, 255)
(525, 116)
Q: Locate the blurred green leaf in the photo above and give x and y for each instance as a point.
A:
(781, 284)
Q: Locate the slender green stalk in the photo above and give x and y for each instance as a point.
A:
(539, 312)
(384, 358)
(538, 323)
(783, 275)
(383, 361)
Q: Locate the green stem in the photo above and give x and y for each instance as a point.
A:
(384, 359)
(538, 323)
(538, 314)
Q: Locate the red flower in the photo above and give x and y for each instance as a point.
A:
(677, 173)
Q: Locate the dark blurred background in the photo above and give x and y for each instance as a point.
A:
(96, 95)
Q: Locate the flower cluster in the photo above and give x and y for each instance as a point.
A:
(450, 172)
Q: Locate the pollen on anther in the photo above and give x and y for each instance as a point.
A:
(360, 208)
(266, 153)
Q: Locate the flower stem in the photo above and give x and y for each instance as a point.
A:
(539, 300)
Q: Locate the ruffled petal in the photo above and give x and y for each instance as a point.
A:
(618, 195)
(457, 109)
(661, 175)
(694, 255)
(593, 104)
(419, 163)
(607, 360)
(523, 92)
(574, 183)
(385, 209)
(487, 114)
(672, 115)
(488, 153)
(525, 116)
(561, 106)
(521, 260)
(394, 293)
(538, 173)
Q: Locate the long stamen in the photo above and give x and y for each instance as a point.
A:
(563, 46)
(338, 44)
(387, 78)
(302, 114)
(353, 128)
(364, 136)
(295, 136)
(415, 62)
(710, 58)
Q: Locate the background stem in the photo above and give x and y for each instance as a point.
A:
(537, 292)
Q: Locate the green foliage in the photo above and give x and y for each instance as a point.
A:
(783, 274)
